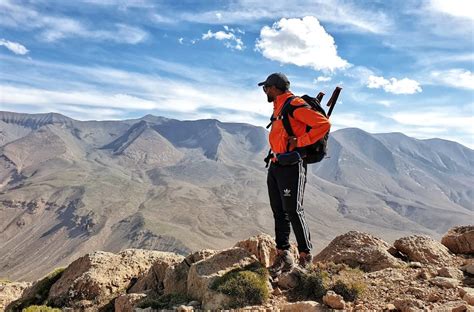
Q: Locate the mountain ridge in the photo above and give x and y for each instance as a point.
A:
(162, 183)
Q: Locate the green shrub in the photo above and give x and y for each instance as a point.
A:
(38, 293)
(313, 284)
(349, 283)
(246, 286)
(348, 293)
(36, 308)
(164, 301)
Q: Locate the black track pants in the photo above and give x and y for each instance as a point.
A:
(286, 188)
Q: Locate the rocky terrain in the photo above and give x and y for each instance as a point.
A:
(68, 187)
(416, 273)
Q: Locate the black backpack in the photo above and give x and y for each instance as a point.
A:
(317, 151)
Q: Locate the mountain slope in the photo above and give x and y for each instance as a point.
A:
(72, 186)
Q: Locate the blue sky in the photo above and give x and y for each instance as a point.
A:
(405, 66)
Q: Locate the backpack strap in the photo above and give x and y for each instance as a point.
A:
(288, 111)
(280, 114)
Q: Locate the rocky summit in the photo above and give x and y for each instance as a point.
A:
(355, 272)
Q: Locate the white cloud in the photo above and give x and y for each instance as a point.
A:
(323, 79)
(53, 28)
(351, 120)
(455, 8)
(402, 86)
(37, 97)
(458, 78)
(348, 16)
(15, 47)
(180, 40)
(230, 39)
(302, 42)
(435, 118)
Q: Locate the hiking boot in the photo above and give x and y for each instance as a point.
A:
(305, 260)
(283, 263)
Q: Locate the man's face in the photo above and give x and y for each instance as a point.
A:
(270, 92)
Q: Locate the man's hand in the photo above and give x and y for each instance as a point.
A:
(292, 141)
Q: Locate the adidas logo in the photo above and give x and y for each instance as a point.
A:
(286, 192)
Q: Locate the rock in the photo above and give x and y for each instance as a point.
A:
(417, 292)
(126, 303)
(444, 282)
(460, 239)
(424, 249)
(390, 307)
(358, 249)
(408, 304)
(334, 300)
(98, 277)
(434, 297)
(288, 280)
(153, 279)
(451, 273)
(203, 273)
(184, 308)
(301, 306)
(453, 306)
(427, 273)
(11, 291)
(468, 266)
(415, 265)
(176, 276)
(469, 298)
(262, 246)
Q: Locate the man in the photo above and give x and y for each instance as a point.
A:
(286, 182)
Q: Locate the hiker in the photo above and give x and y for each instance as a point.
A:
(286, 177)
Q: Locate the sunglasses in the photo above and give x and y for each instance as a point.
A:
(266, 87)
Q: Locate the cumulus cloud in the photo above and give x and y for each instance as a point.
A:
(393, 85)
(15, 47)
(228, 36)
(302, 42)
(458, 78)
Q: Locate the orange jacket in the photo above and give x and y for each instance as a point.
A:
(301, 118)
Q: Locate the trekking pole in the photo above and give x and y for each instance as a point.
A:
(332, 101)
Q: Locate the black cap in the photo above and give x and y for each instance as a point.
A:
(278, 80)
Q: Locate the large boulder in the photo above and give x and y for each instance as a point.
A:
(424, 249)
(460, 239)
(152, 281)
(176, 276)
(203, 273)
(262, 246)
(358, 249)
(11, 291)
(96, 278)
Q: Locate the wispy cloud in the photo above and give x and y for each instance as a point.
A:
(15, 47)
(125, 91)
(303, 42)
(458, 78)
(53, 28)
(348, 15)
(393, 85)
(228, 36)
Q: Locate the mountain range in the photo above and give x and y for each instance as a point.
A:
(68, 187)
